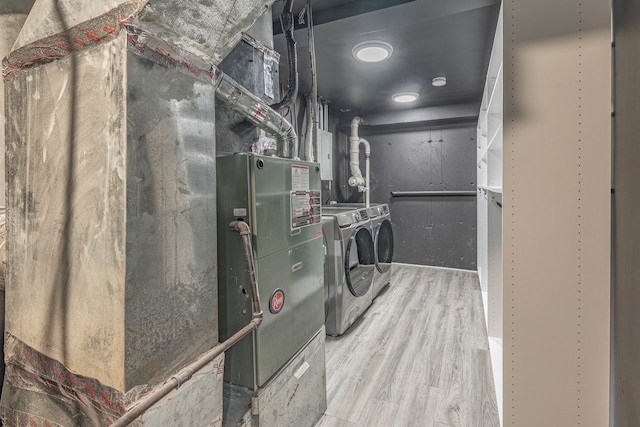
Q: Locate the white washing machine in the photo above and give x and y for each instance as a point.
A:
(349, 266)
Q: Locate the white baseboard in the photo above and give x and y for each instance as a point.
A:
(436, 267)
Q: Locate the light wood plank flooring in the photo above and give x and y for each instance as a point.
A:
(418, 357)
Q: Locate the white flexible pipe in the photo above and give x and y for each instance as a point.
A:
(356, 178)
(354, 154)
(367, 155)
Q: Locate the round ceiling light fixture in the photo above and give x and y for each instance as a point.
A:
(439, 81)
(372, 51)
(405, 97)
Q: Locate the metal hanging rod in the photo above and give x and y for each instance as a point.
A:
(431, 193)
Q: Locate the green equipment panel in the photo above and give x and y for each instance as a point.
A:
(280, 200)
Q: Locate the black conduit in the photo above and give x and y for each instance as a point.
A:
(292, 57)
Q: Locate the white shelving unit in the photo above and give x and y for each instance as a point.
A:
(489, 158)
(544, 260)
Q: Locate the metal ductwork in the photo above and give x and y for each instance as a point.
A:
(186, 373)
(153, 159)
(164, 46)
(187, 28)
(257, 112)
(217, 25)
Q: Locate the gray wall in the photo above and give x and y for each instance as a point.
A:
(436, 231)
(626, 262)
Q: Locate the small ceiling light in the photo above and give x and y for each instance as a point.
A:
(372, 51)
(439, 81)
(405, 97)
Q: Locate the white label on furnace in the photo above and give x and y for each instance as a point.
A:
(240, 212)
(299, 178)
(301, 370)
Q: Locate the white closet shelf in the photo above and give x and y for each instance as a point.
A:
(497, 190)
(494, 106)
(495, 143)
(483, 157)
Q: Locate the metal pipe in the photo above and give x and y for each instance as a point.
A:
(245, 232)
(431, 193)
(367, 156)
(186, 373)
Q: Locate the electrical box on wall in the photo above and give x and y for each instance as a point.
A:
(325, 155)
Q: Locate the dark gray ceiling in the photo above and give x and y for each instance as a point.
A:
(450, 38)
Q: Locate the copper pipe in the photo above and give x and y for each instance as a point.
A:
(185, 374)
(245, 232)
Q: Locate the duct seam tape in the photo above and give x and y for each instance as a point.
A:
(29, 369)
(79, 38)
(260, 46)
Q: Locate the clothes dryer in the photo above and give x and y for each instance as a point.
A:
(382, 235)
(349, 266)
(383, 243)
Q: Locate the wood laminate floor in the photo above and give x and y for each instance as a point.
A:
(418, 357)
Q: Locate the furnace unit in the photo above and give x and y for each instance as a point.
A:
(280, 200)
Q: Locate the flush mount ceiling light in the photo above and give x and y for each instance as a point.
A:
(405, 97)
(439, 81)
(372, 51)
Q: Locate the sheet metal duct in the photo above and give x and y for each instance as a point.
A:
(215, 24)
(13, 14)
(163, 46)
(110, 199)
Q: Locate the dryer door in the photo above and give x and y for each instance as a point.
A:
(384, 246)
(359, 262)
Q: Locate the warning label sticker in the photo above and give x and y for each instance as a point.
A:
(299, 178)
(305, 208)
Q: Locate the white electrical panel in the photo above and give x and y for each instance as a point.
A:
(325, 155)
